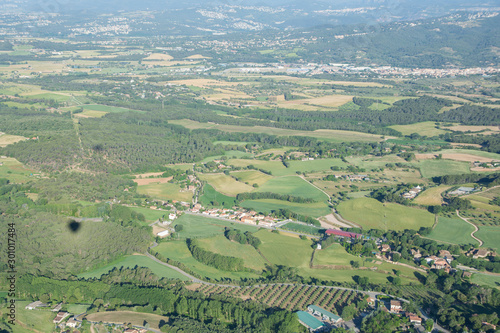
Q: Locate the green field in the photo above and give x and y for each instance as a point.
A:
(310, 166)
(49, 96)
(14, 171)
(132, 261)
(453, 231)
(302, 228)
(315, 209)
(211, 197)
(336, 255)
(435, 168)
(370, 213)
(427, 128)
(106, 108)
(178, 250)
(490, 236)
(327, 135)
(165, 191)
(41, 320)
(479, 153)
(220, 244)
(151, 215)
(293, 185)
(198, 226)
(372, 162)
(283, 250)
(492, 281)
(135, 318)
(77, 308)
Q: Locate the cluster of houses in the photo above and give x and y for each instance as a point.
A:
(443, 261)
(395, 307)
(72, 322)
(412, 193)
(245, 216)
(317, 319)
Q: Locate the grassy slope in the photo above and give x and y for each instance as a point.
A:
(431, 196)
(178, 250)
(220, 244)
(293, 185)
(315, 209)
(211, 195)
(196, 226)
(435, 168)
(165, 191)
(225, 184)
(370, 213)
(490, 236)
(131, 261)
(453, 230)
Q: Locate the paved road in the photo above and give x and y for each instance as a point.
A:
(475, 229)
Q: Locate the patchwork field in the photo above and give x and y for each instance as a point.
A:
(327, 135)
(220, 244)
(427, 128)
(151, 215)
(310, 166)
(132, 261)
(453, 231)
(370, 213)
(431, 196)
(124, 317)
(197, 226)
(166, 191)
(458, 156)
(225, 184)
(490, 236)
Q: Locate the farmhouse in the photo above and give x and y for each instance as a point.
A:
(57, 308)
(163, 233)
(60, 316)
(172, 216)
(72, 323)
(342, 233)
(326, 315)
(480, 253)
(370, 300)
(385, 247)
(311, 323)
(396, 306)
(34, 305)
(414, 318)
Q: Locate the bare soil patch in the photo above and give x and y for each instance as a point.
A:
(147, 181)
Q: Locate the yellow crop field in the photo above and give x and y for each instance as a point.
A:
(225, 184)
(159, 56)
(328, 101)
(6, 139)
(431, 196)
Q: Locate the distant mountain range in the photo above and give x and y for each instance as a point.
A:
(237, 15)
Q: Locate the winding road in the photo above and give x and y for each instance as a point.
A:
(475, 229)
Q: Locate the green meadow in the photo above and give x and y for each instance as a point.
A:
(436, 168)
(293, 185)
(132, 261)
(490, 236)
(198, 226)
(453, 231)
(372, 214)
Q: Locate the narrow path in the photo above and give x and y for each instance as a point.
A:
(475, 229)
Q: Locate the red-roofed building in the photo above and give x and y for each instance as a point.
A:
(342, 233)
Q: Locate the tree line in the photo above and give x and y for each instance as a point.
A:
(225, 263)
